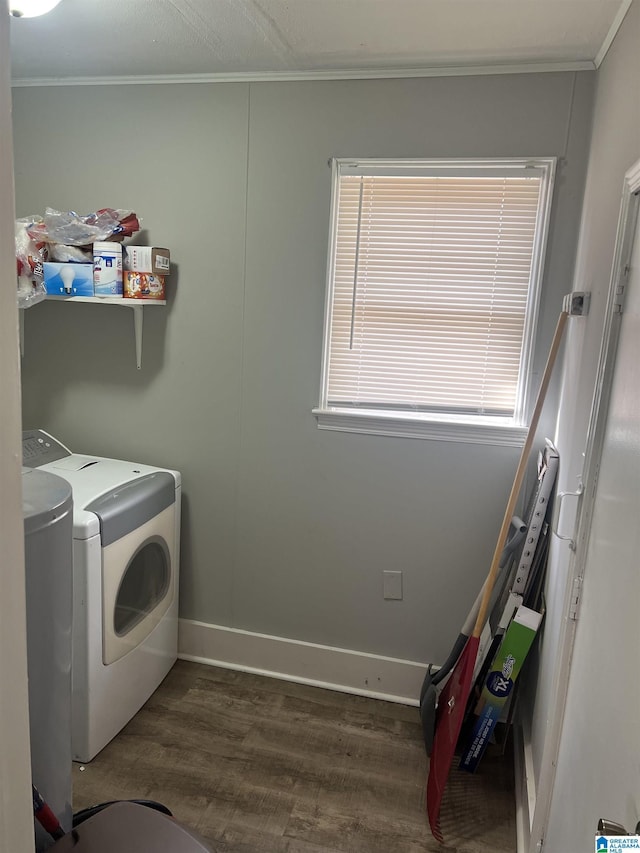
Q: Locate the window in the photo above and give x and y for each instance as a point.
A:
(433, 287)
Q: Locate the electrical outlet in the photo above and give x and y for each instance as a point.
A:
(392, 583)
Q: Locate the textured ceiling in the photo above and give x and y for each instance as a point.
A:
(131, 38)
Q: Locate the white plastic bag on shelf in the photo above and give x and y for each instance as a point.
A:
(69, 254)
(30, 256)
(71, 229)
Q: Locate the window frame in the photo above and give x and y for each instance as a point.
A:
(477, 429)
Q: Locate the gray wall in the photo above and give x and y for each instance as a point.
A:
(287, 529)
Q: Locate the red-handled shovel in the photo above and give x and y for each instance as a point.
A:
(453, 699)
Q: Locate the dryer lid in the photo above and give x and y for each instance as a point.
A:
(75, 462)
(129, 506)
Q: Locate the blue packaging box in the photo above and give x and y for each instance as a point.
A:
(499, 683)
(68, 279)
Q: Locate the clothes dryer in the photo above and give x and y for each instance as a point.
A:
(126, 545)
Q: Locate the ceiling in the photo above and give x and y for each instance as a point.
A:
(232, 39)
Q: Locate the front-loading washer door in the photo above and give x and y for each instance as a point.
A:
(137, 524)
(138, 584)
(143, 586)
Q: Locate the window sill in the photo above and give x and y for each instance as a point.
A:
(479, 430)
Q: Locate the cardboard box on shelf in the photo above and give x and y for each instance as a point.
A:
(68, 279)
(148, 259)
(143, 285)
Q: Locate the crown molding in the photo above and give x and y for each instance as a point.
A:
(625, 5)
(292, 76)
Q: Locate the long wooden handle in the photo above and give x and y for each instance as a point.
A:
(522, 467)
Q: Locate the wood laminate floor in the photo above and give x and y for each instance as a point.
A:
(258, 765)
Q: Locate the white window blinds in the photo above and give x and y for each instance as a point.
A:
(431, 288)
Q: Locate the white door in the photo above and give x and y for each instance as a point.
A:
(598, 764)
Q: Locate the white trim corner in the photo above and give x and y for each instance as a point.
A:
(525, 786)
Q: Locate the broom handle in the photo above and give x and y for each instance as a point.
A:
(522, 467)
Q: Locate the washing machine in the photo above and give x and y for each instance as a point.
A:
(126, 546)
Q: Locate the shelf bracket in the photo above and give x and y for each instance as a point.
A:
(135, 305)
(21, 329)
(137, 328)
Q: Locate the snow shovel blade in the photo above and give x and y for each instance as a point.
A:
(451, 710)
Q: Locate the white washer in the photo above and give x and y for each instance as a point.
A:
(126, 546)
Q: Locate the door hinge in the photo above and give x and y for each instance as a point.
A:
(618, 299)
(576, 594)
(540, 845)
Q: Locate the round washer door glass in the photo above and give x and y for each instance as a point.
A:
(144, 584)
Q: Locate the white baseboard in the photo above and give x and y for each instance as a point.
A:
(347, 671)
(525, 788)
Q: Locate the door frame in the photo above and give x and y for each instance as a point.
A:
(16, 811)
(627, 220)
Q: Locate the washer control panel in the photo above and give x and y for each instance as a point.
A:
(40, 448)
